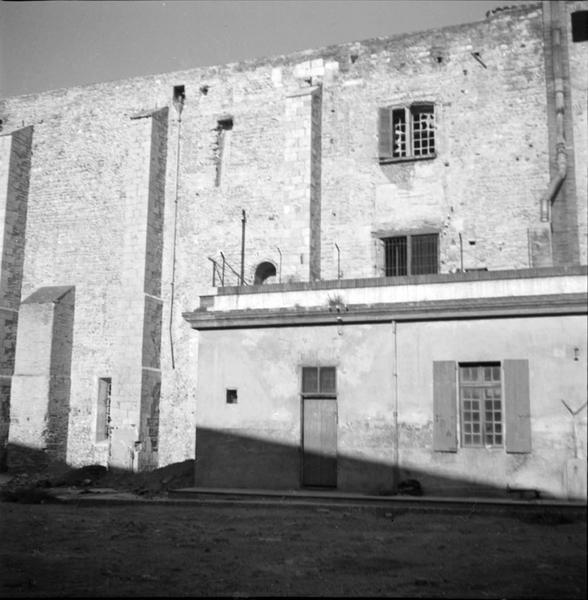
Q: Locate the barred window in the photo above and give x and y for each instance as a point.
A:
(406, 132)
(411, 255)
(481, 405)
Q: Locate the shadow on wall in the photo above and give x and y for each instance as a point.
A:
(229, 459)
(40, 388)
(55, 473)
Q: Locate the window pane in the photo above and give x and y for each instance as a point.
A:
(309, 380)
(395, 255)
(423, 130)
(327, 380)
(424, 254)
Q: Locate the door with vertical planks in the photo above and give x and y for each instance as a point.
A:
(319, 427)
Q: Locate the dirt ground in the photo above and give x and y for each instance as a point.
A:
(240, 551)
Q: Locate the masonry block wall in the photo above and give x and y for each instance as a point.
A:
(15, 164)
(293, 142)
(578, 103)
(42, 380)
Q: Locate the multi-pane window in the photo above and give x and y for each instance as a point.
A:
(411, 255)
(480, 393)
(103, 412)
(406, 132)
(319, 381)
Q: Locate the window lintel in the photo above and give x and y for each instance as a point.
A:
(380, 234)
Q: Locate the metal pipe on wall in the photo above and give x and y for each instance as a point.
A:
(179, 105)
(556, 182)
(396, 456)
(243, 223)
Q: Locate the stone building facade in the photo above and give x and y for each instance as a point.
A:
(180, 252)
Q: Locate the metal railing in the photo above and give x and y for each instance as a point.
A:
(222, 271)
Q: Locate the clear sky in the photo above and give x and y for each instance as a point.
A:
(50, 45)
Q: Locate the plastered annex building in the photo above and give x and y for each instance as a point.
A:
(345, 267)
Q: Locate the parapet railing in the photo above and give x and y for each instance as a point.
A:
(223, 271)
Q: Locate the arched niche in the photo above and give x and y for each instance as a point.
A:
(263, 272)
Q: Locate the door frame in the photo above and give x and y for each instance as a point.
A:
(329, 398)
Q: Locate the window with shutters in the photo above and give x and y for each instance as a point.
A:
(411, 255)
(319, 382)
(490, 400)
(480, 399)
(406, 132)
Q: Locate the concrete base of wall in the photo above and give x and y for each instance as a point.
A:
(575, 479)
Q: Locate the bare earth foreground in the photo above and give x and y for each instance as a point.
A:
(261, 550)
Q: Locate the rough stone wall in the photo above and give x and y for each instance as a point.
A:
(578, 116)
(40, 408)
(90, 212)
(15, 164)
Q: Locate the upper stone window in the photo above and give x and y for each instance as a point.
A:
(406, 132)
(580, 26)
(411, 255)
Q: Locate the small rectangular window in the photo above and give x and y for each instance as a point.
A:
(411, 255)
(320, 381)
(231, 396)
(480, 392)
(406, 133)
(224, 127)
(103, 409)
(580, 26)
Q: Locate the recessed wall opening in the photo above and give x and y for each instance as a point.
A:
(224, 127)
(263, 272)
(580, 26)
(231, 396)
(179, 93)
(103, 409)
(411, 255)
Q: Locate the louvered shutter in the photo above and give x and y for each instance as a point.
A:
(444, 407)
(385, 133)
(517, 406)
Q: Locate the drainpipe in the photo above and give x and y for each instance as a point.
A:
(179, 105)
(243, 222)
(556, 182)
(395, 458)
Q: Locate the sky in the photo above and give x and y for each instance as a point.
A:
(56, 44)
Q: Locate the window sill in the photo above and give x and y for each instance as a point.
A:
(403, 159)
(477, 448)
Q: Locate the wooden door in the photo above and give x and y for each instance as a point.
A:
(319, 462)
